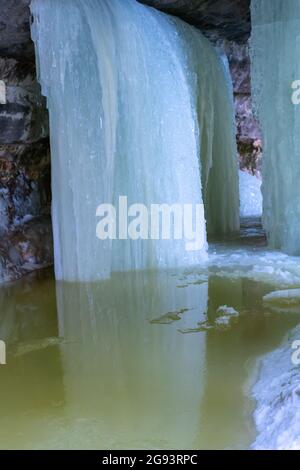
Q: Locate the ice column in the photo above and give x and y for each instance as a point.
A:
(275, 53)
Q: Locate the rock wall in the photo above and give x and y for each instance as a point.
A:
(25, 197)
(229, 19)
(15, 38)
(249, 139)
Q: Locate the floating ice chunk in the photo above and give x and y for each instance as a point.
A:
(203, 326)
(283, 297)
(169, 317)
(226, 316)
(223, 322)
(230, 311)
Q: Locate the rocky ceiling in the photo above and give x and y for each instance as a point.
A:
(15, 29)
(228, 18)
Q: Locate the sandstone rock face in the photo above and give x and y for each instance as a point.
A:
(23, 117)
(25, 197)
(249, 139)
(24, 146)
(24, 183)
(25, 248)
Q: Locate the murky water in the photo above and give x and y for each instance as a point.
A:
(135, 362)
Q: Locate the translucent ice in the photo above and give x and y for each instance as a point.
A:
(275, 66)
(135, 97)
(250, 195)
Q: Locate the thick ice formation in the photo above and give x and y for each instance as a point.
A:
(286, 297)
(250, 195)
(134, 96)
(275, 66)
(277, 393)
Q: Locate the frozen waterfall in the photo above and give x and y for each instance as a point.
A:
(275, 67)
(140, 105)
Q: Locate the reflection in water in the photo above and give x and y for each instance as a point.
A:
(140, 383)
(110, 367)
(230, 361)
(30, 384)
